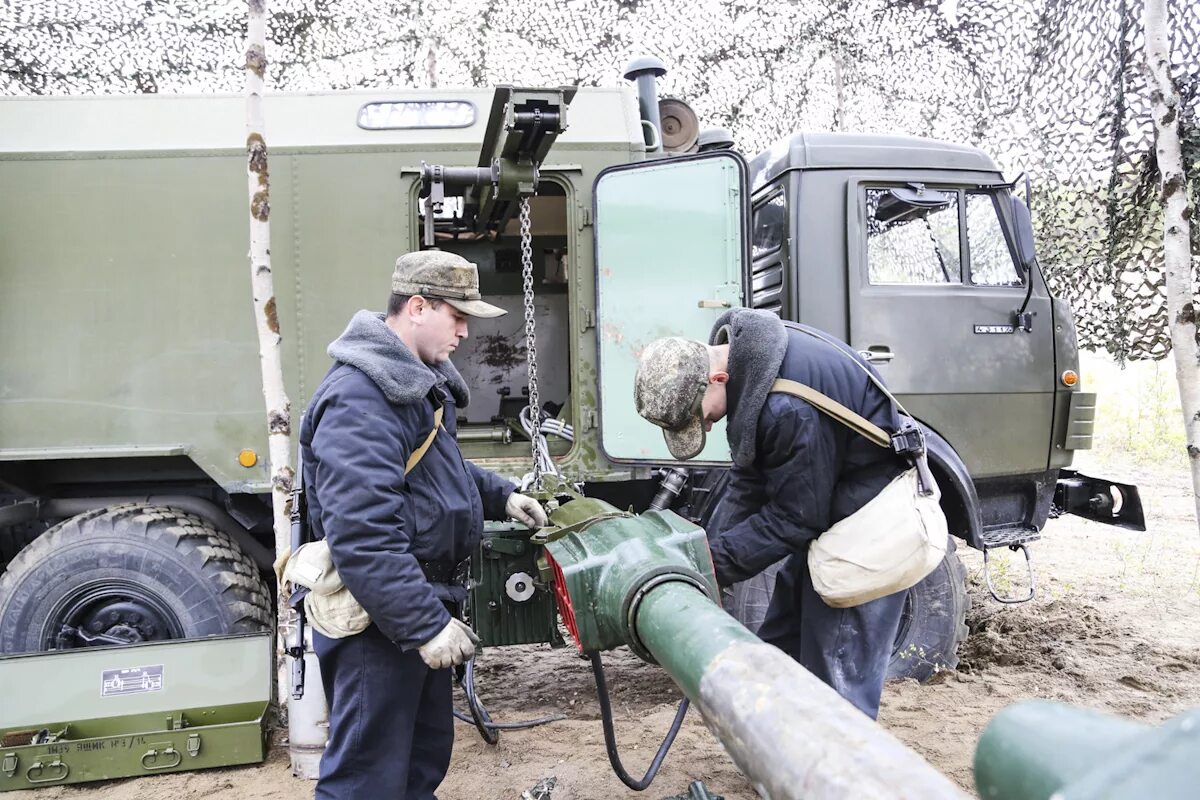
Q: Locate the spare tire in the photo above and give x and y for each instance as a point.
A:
(932, 625)
(126, 574)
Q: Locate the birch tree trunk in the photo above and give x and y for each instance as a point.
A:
(279, 424)
(1177, 253)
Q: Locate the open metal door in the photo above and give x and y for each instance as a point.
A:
(671, 256)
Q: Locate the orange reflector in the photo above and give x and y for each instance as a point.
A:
(247, 458)
(1070, 378)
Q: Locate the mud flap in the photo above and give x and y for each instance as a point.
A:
(1099, 500)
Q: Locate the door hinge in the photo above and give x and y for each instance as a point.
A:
(588, 420)
(585, 217)
(587, 318)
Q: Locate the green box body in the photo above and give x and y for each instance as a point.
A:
(119, 712)
(509, 603)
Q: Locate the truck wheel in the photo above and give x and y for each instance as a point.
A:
(932, 625)
(934, 622)
(129, 573)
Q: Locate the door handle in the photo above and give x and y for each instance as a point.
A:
(714, 304)
(877, 355)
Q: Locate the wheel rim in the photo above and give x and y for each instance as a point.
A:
(100, 612)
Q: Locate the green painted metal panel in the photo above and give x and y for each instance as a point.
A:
(240, 666)
(127, 320)
(509, 603)
(993, 433)
(670, 256)
(1081, 421)
(110, 712)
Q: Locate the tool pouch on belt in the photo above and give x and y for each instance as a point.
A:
(329, 606)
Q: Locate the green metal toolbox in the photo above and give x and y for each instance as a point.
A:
(73, 716)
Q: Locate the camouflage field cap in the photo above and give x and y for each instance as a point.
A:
(450, 277)
(668, 390)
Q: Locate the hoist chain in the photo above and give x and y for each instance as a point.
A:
(535, 408)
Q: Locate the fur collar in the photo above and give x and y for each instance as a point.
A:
(757, 343)
(371, 346)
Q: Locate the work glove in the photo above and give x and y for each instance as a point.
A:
(526, 510)
(453, 646)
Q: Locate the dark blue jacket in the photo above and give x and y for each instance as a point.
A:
(796, 470)
(372, 410)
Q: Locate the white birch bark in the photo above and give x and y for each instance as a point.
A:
(262, 284)
(1177, 253)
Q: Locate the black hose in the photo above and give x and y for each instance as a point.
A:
(610, 737)
(462, 716)
(490, 731)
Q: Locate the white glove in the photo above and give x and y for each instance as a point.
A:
(454, 645)
(526, 510)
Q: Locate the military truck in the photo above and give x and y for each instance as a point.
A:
(134, 498)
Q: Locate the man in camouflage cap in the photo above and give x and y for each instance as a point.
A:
(437, 274)
(795, 473)
(401, 511)
(680, 390)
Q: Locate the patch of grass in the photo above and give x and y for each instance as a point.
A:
(1138, 414)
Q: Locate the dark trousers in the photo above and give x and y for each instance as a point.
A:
(390, 724)
(847, 648)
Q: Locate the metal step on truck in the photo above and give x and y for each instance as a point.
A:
(134, 493)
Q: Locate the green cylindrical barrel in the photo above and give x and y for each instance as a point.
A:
(792, 735)
(1033, 749)
(1037, 749)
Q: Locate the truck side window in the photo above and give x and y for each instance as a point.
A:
(770, 224)
(911, 243)
(991, 260)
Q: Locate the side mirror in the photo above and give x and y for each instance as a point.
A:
(1024, 234)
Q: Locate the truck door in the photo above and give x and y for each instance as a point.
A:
(934, 286)
(671, 253)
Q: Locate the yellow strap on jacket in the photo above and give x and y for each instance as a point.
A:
(420, 452)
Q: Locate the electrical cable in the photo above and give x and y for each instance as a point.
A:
(610, 737)
(490, 731)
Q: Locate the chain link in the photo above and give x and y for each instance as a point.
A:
(535, 407)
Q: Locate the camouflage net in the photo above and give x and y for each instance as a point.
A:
(1054, 87)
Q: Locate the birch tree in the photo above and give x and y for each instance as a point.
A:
(279, 424)
(1176, 246)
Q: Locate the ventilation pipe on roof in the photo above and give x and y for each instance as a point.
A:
(643, 71)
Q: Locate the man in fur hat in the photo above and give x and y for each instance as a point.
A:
(796, 472)
(401, 511)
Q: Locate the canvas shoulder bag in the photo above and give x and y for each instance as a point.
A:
(892, 542)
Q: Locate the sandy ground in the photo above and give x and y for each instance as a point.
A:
(1116, 626)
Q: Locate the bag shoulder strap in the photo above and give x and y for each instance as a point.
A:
(852, 420)
(420, 452)
(844, 349)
